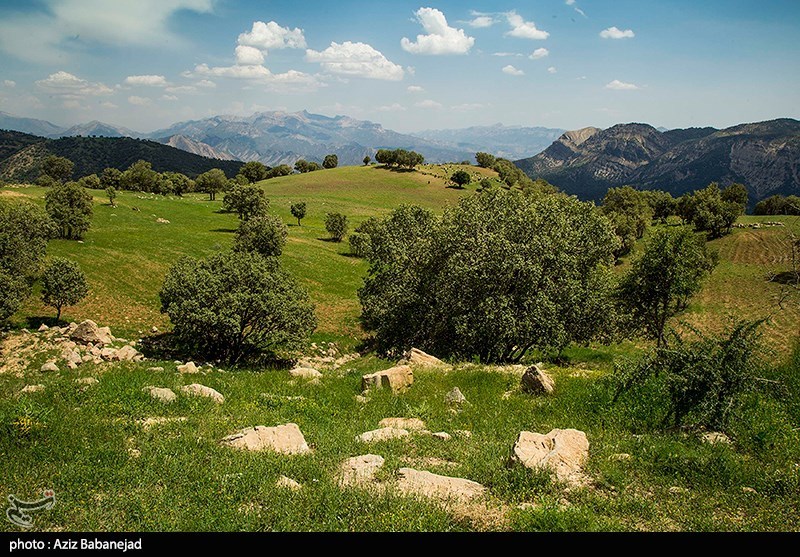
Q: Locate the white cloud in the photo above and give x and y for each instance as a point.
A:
(8, 83)
(570, 2)
(506, 54)
(552, 69)
(482, 21)
(237, 72)
(248, 56)
(64, 24)
(72, 104)
(181, 89)
(146, 80)
(441, 38)
(169, 98)
(138, 101)
(269, 36)
(395, 107)
(618, 85)
(415, 89)
(580, 11)
(107, 104)
(357, 60)
(428, 104)
(524, 29)
(511, 70)
(539, 53)
(614, 33)
(65, 84)
(206, 83)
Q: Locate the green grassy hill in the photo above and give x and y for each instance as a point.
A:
(119, 460)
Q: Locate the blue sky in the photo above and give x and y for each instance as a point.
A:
(415, 65)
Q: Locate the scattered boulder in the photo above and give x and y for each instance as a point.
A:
(402, 423)
(49, 366)
(563, 451)
(155, 369)
(434, 486)
(89, 333)
(201, 390)
(126, 354)
(162, 221)
(108, 353)
(536, 382)
(72, 356)
(188, 367)
(397, 379)
(463, 433)
(442, 435)
(161, 394)
(285, 482)
(305, 373)
(285, 439)
(418, 358)
(455, 396)
(361, 399)
(749, 490)
(88, 381)
(32, 389)
(383, 434)
(716, 438)
(360, 470)
(42, 328)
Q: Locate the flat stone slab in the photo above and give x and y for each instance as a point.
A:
(410, 424)
(201, 390)
(305, 373)
(360, 470)
(284, 439)
(434, 486)
(161, 394)
(397, 379)
(382, 434)
(418, 358)
(188, 367)
(562, 451)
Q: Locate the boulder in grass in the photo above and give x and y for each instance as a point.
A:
(562, 451)
(49, 366)
(536, 382)
(418, 358)
(403, 423)
(382, 434)
(285, 482)
(88, 332)
(161, 394)
(203, 391)
(188, 367)
(360, 470)
(397, 379)
(455, 396)
(433, 486)
(284, 439)
(305, 373)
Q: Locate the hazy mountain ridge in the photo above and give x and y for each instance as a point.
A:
(511, 142)
(763, 155)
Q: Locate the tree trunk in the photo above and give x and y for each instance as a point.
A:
(58, 314)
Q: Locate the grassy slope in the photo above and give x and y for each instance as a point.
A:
(183, 480)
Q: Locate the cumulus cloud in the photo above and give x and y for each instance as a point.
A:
(552, 69)
(524, 29)
(269, 36)
(539, 53)
(482, 21)
(614, 33)
(440, 38)
(66, 85)
(206, 83)
(394, 107)
(415, 89)
(618, 85)
(357, 60)
(57, 26)
(169, 98)
(146, 80)
(467, 107)
(511, 70)
(248, 56)
(8, 83)
(505, 54)
(181, 89)
(428, 103)
(107, 104)
(138, 101)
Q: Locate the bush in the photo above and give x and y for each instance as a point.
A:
(330, 161)
(485, 160)
(57, 168)
(180, 182)
(111, 178)
(461, 178)
(246, 201)
(630, 213)
(663, 278)
(63, 284)
(70, 208)
(91, 182)
(712, 213)
(499, 274)
(140, 176)
(280, 170)
(361, 239)
(336, 225)
(212, 183)
(111, 193)
(253, 171)
(701, 380)
(263, 234)
(24, 231)
(235, 306)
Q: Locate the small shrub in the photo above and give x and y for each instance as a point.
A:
(262, 234)
(336, 225)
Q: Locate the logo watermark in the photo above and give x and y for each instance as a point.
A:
(19, 512)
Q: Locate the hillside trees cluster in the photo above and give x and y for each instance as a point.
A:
(70, 208)
(400, 158)
(712, 209)
(630, 213)
(497, 275)
(246, 201)
(254, 171)
(303, 166)
(778, 205)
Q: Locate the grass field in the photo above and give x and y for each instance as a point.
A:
(112, 472)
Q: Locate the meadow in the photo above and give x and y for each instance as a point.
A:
(112, 470)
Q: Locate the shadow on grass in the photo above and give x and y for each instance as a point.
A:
(35, 321)
(165, 346)
(329, 240)
(225, 230)
(790, 278)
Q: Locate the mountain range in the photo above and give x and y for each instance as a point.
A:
(765, 156)
(283, 137)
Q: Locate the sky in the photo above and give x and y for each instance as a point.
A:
(409, 65)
